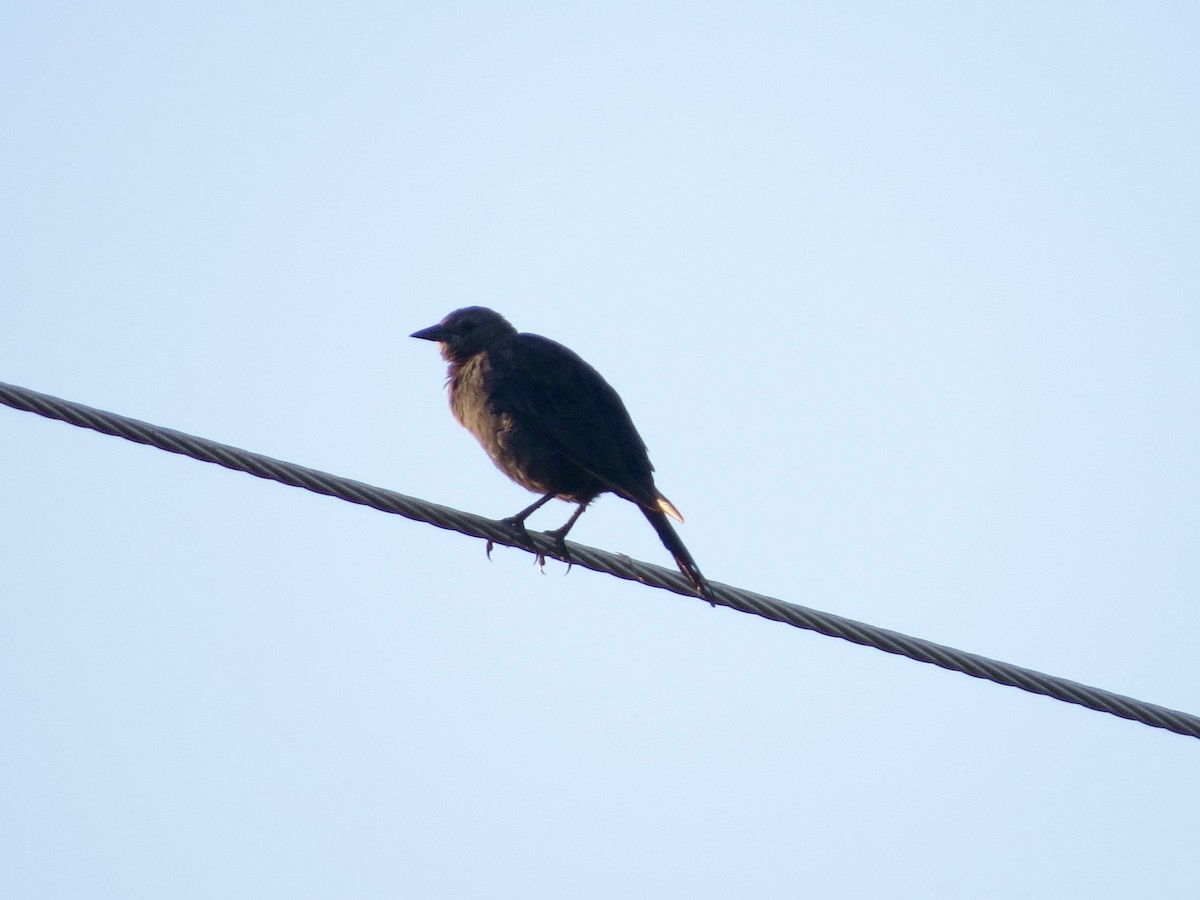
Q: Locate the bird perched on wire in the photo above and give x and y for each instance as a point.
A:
(551, 423)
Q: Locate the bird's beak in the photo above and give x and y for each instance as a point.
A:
(432, 333)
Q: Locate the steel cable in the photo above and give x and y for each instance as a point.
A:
(598, 560)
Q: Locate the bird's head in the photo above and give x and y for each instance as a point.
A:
(466, 332)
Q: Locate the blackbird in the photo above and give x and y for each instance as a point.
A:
(551, 423)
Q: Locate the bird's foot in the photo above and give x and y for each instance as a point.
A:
(517, 524)
(559, 537)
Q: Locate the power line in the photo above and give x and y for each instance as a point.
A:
(599, 560)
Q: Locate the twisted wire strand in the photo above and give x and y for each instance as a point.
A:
(599, 560)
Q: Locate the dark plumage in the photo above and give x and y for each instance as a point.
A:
(551, 423)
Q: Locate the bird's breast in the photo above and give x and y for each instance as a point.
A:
(528, 455)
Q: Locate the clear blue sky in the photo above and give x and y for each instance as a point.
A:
(905, 299)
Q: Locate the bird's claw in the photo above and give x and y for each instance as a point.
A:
(539, 559)
(560, 546)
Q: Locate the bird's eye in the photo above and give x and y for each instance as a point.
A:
(466, 327)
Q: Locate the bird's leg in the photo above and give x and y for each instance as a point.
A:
(517, 522)
(559, 536)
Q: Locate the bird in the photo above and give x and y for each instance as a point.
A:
(551, 423)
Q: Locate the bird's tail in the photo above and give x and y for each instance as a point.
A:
(683, 559)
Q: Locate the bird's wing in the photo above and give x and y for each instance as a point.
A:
(549, 389)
